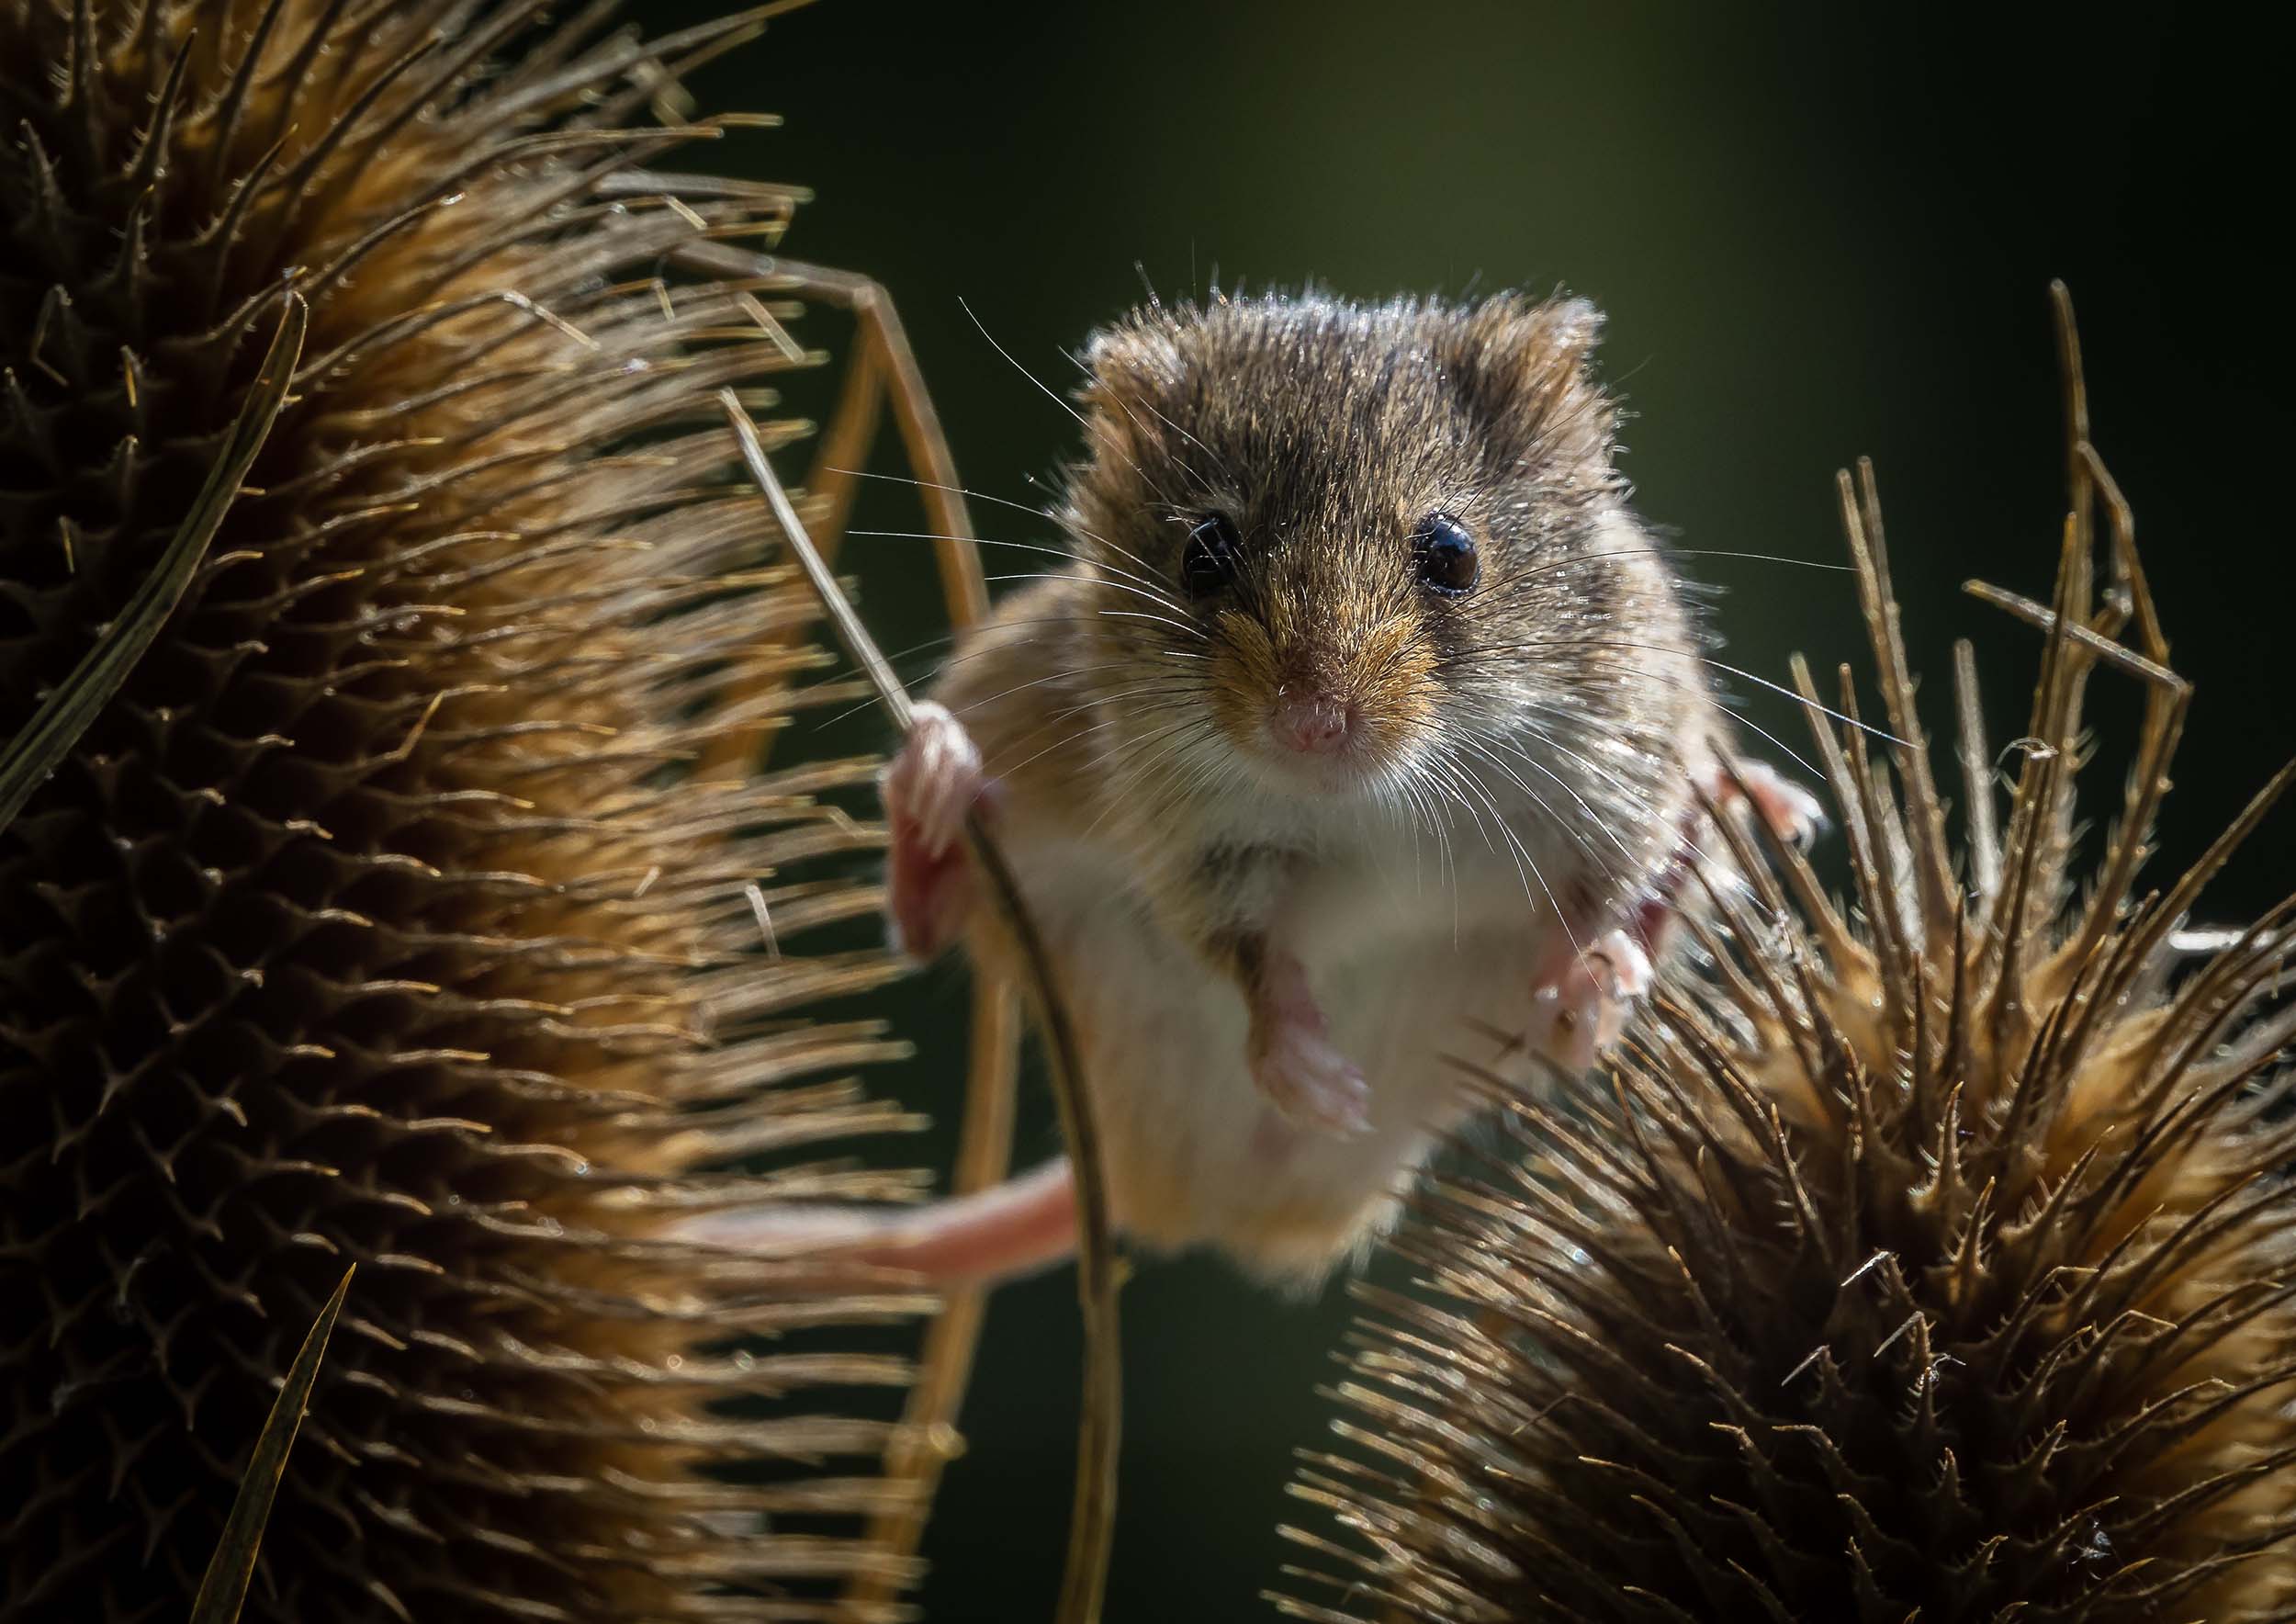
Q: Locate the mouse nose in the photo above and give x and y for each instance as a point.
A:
(1314, 722)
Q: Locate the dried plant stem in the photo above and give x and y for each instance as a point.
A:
(926, 1442)
(1092, 1519)
(883, 367)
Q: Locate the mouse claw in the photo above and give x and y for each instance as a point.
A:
(1579, 1011)
(929, 788)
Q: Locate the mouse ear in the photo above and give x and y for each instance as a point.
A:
(1509, 335)
(1128, 368)
(1523, 367)
(1576, 323)
(1134, 359)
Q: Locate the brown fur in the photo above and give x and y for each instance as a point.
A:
(1330, 428)
(1121, 710)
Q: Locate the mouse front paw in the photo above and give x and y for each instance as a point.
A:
(1302, 1075)
(1578, 1010)
(1791, 812)
(1294, 1066)
(928, 789)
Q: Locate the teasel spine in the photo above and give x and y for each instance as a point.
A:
(379, 919)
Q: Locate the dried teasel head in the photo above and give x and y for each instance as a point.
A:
(380, 919)
(1930, 1266)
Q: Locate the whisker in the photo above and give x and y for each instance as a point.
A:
(1729, 877)
(1046, 390)
(1052, 515)
(846, 673)
(1161, 603)
(1217, 466)
(1071, 738)
(1585, 717)
(1158, 619)
(1059, 676)
(1151, 581)
(1562, 919)
(1503, 585)
(1050, 394)
(1866, 727)
(1203, 483)
(1576, 837)
(1138, 751)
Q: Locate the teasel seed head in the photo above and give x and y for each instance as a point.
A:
(1927, 1259)
(380, 919)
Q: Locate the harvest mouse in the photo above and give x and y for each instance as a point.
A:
(1359, 712)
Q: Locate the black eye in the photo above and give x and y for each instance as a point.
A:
(1214, 554)
(1444, 554)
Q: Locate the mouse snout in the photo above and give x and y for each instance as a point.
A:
(1313, 720)
(1323, 705)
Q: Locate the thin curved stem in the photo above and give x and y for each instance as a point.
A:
(1092, 1520)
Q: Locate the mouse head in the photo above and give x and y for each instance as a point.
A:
(1360, 535)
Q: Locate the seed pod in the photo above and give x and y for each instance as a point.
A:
(380, 917)
(1925, 1260)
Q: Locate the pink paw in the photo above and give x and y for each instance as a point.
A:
(1311, 1083)
(1793, 814)
(1578, 1012)
(929, 790)
(1294, 1066)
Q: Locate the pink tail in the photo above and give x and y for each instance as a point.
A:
(997, 1234)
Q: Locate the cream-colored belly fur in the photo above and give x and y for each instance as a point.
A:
(1196, 1155)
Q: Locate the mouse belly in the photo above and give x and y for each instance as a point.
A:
(1196, 1155)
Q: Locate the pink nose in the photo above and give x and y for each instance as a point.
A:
(1313, 723)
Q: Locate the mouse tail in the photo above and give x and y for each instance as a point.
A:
(983, 1239)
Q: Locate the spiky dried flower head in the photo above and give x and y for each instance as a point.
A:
(379, 919)
(1929, 1259)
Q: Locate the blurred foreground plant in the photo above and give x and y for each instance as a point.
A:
(381, 916)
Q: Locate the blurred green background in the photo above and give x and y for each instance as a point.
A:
(1820, 231)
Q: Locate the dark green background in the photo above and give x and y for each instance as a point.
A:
(1819, 232)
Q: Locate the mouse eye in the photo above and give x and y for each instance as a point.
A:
(1214, 554)
(1444, 554)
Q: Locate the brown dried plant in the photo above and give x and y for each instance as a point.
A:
(383, 917)
(1929, 1259)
